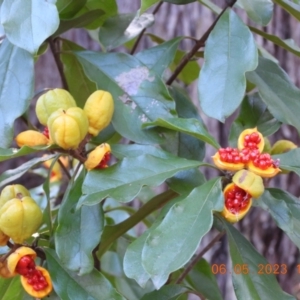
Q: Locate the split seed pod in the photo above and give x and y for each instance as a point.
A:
(251, 138)
(99, 154)
(20, 218)
(99, 108)
(31, 138)
(4, 272)
(51, 101)
(230, 166)
(68, 128)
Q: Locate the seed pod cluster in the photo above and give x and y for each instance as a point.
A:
(247, 184)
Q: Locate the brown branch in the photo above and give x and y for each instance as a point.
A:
(55, 51)
(143, 31)
(200, 43)
(199, 256)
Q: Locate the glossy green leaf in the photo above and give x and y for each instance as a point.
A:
(181, 230)
(146, 4)
(132, 262)
(29, 28)
(290, 7)
(69, 286)
(13, 174)
(253, 113)
(251, 284)
(277, 91)
(288, 45)
(189, 126)
(78, 22)
(73, 245)
(289, 161)
(285, 210)
(68, 8)
(78, 83)
(109, 7)
(159, 58)
(124, 180)
(168, 292)
(230, 52)
(139, 94)
(259, 11)
(203, 281)
(16, 85)
(6, 154)
(11, 288)
(119, 29)
(179, 1)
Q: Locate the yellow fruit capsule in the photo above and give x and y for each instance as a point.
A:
(251, 138)
(51, 101)
(226, 165)
(20, 218)
(38, 291)
(14, 258)
(99, 109)
(31, 138)
(249, 182)
(98, 157)
(266, 173)
(282, 146)
(68, 128)
(13, 191)
(237, 203)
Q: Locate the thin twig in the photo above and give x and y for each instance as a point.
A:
(64, 168)
(200, 43)
(199, 256)
(143, 31)
(55, 52)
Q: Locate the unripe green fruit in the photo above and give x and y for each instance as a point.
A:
(13, 191)
(20, 218)
(282, 146)
(67, 128)
(51, 101)
(99, 108)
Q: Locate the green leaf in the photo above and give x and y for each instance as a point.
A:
(132, 264)
(289, 161)
(202, 280)
(181, 230)
(11, 288)
(253, 113)
(29, 28)
(6, 154)
(16, 84)
(13, 174)
(119, 29)
(168, 292)
(189, 126)
(288, 45)
(179, 1)
(230, 52)
(159, 58)
(284, 209)
(290, 7)
(78, 83)
(139, 94)
(124, 180)
(68, 8)
(69, 286)
(277, 91)
(74, 246)
(146, 4)
(259, 11)
(250, 285)
(78, 22)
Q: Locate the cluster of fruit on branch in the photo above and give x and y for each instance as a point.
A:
(251, 161)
